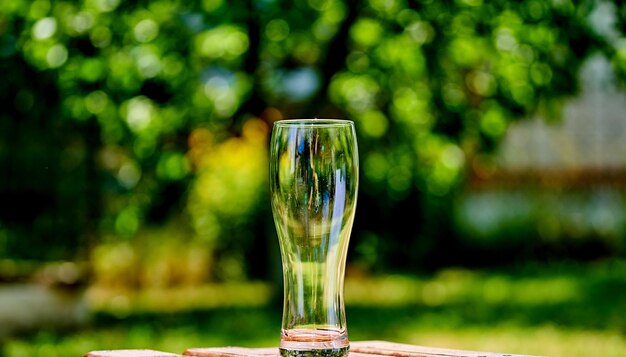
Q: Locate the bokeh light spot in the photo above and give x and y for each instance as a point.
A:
(366, 32)
(146, 30)
(493, 123)
(82, 22)
(535, 9)
(399, 180)
(100, 37)
(211, 5)
(386, 7)
(540, 73)
(277, 30)
(44, 28)
(453, 95)
(92, 69)
(482, 83)
(452, 157)
(374, 123)
(375, 166)
(107, 5)
(523, 93)
(505, 41)
(96, 102)
(466, 51)
(127, 221)
(38, 8)
(226, 41)
(357, 61)
(472, 2)
(147, 61)
(56, 56)
(172, 166)
(128, 175)
(139, 113)
(421, 32)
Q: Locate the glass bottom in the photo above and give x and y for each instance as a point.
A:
(324, 352)
(314, 343)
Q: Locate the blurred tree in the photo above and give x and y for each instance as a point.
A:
(122, 115)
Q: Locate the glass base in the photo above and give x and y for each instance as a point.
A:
(314, 343)
(324, 352)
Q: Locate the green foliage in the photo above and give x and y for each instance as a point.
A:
(118, 116)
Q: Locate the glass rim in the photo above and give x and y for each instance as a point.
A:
(314, 122)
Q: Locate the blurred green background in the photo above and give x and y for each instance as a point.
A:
(134, 208)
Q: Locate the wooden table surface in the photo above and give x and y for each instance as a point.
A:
(357, 349)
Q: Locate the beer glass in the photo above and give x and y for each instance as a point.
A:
(314, 176)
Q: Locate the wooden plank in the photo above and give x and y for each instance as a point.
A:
(247, 352)
(385, 348)
(357, 349)
(130, 353)
(231, 352)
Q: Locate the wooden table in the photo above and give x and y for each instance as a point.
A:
(357, 349)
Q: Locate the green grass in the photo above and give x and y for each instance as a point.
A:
(564, 310)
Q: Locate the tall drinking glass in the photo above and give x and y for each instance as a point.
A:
(314, 176)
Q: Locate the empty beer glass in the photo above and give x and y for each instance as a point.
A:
(314, 176)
